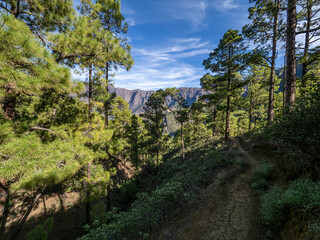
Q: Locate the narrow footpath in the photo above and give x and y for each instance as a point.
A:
(226, 212)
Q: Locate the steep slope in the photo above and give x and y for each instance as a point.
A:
(227, 212)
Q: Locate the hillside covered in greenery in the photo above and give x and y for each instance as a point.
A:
(76, 163)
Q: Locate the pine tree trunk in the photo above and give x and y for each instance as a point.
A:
(87, 185)
(228, 115)
(250, 110)
(182, 142)
(106, 107)
(4, 213)
(273, 63)
(226, 137)
(44, 204)
(157, 167)
(9, 106)
(284, 80)
(214, 128)
(306, 44)
(291, 56)
(108, 203)
(24, 217)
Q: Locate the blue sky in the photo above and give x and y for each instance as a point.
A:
(171, 38)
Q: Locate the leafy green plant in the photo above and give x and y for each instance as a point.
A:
(41, 232)
(260, 178)
(301, 195)
(176, 184)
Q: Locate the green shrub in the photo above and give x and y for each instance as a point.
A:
(301, 195)
(261, 177)
(41, 232)
(177, 183)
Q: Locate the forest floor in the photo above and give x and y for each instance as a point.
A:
(227, 211)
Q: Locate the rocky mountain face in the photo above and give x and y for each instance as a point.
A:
(137, 98)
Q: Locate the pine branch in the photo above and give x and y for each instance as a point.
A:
(311, 30)
(7, 9)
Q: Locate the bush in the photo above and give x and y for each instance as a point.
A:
(301, 195)
(297, 137)
(261, 177)
(41, 232)
(177, 184)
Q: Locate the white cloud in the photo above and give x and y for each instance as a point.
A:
(164, 67)
(224, 5)
(195, 11)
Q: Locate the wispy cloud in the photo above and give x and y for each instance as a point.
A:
(225, 5)
(195, 11)
(164, 67)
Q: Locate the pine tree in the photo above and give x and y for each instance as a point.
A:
(153, 119)
(308, 24)
(26, 66)
(135, 134)
(227, 61)
(265, 27)
(197, 116)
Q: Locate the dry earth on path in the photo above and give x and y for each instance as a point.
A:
(226, 212)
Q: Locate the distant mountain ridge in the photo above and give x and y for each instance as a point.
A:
(137, 98)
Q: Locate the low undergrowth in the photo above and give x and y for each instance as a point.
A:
(300, 196)
(177, 181)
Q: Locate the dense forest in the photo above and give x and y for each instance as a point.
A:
(75, 163)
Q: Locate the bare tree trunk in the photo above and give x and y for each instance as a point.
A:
(61, 203)
(284, 80)
(44, 205)
(273, 63)
(106, 107)
(306, 44)
(227, 134)
(182, 142)
(108, 204)
(87, 185)
(291, 56)
(24, 218)
(214, 128)
(9, 106)
(4, 213)
(250, 110)
(157, 167)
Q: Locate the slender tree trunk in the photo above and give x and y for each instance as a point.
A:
(255, 121)
(61, 203)
(214, 128)
(106, 107)
(273, 63)
(251, 106)
(227, 134)
(157, 167)
(306, 44)
(182, 142)
(4, 213)
(284, 80)
(44, 204)
(108, 203)
(291, 56)
(24, 217)
(9, 106)
(87, 185)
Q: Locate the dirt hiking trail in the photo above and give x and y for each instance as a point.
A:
(226, 212)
